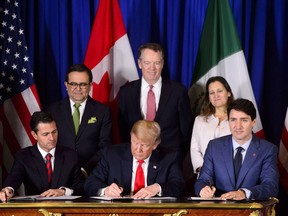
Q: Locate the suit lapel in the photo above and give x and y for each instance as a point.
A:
(86, 115)
(58, 164)
(41, 168)
(164, 97)
(227, 153)
(136, 101)
(250, 157)
(153, 167)
(126, 169)
(65, 106)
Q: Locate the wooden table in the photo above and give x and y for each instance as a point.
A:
(86, 206)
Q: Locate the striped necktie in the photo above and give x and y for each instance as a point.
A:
(49, 167)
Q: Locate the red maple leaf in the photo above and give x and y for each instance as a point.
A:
(101, 92)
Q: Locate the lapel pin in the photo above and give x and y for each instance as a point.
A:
(154, 167)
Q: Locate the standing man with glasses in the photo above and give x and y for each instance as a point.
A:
(155, 99)
(84, 124)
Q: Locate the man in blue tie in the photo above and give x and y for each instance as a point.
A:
(239, 166)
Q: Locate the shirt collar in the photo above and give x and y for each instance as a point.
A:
(44, 153)
(244, 146)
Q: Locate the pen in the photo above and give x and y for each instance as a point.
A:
(116, 182)
(211, 187)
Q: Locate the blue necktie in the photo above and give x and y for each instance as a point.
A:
(238, 161)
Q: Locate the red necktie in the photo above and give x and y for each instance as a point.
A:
(139, 178)
(151, 105)
(49, 167)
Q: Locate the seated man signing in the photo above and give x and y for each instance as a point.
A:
(139, 169)
(54, 175)
(240, 165)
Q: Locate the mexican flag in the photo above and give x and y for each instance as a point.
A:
(110, 57)
(220, 54)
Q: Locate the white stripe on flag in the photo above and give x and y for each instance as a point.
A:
(16, 124)
(234, 70)
(30, 101)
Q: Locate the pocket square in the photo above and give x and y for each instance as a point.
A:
(92, 120)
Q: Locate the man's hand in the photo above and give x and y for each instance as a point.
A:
(207, 192)
(6, 194)
(113, 190)
(147, 192)
(234, 195)
(53, 193)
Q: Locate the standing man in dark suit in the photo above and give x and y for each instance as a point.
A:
(116, 173)
(173, 111)
(255, 159)
(95, 129)
(30, 169)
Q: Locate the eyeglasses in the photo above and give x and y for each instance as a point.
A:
(75, 85)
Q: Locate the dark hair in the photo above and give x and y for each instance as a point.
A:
(79, 68)
(39, 117)
(208, 108)
(243, 105)
(153, 46)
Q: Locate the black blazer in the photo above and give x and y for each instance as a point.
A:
(29, 168)
(173, 115)
(95, 131)
(116, 166)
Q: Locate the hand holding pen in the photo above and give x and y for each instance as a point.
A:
(114, 190)
(208, 191)
(5, 194)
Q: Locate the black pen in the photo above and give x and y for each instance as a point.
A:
(211, 187)
(116, 182)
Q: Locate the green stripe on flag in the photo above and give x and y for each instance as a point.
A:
(219, 38)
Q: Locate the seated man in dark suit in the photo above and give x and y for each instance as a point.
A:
(117, 172)
(54, 175)
(240, 165)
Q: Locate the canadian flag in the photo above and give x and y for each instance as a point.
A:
(110, 57)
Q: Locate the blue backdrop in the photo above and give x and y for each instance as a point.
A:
(58, 32)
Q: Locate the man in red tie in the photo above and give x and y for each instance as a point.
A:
(140, 169)
(45, 169)
(156, 99)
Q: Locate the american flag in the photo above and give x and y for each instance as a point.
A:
(18, 94)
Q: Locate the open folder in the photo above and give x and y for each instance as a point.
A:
(124, 198)
(38, 197)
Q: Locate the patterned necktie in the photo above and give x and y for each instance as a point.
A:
(76, 117)
(49, 167)
(238, 161)
(139, 178)
(151, 105)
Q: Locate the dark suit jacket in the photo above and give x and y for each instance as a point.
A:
(29, 168)
(259, 171)
(116, 166)
(91, 137)
(173, 115)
